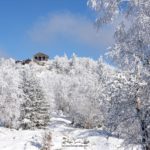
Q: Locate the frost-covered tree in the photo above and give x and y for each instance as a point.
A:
(85, 102)
(35, 109)
(10, 94)
(131, 52)
(79, 92)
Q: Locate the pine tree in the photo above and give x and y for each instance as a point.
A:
(35, 109)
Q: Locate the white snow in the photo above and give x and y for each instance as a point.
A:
(64, 137)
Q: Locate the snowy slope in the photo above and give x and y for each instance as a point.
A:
(64, 137)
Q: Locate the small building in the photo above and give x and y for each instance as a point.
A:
(40, 57)
(23, 62)
(27, 61)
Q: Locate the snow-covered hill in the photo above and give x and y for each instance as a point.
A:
(64, 137)
(83, 89)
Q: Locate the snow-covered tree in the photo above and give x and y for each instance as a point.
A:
(10, 94)
(35, 109)
(79, 92)
(131, 52)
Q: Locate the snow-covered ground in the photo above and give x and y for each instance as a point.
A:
(64, 137)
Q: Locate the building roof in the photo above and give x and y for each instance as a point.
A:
(41, 54)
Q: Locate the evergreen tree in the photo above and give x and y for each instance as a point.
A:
(35, 109)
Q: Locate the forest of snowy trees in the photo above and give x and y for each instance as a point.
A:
(81, 88)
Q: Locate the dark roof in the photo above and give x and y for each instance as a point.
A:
(41, 54)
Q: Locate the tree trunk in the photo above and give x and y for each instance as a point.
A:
(145, 141)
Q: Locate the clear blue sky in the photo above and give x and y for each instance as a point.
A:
(51, 26)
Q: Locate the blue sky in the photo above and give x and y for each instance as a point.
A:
(54, 27)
